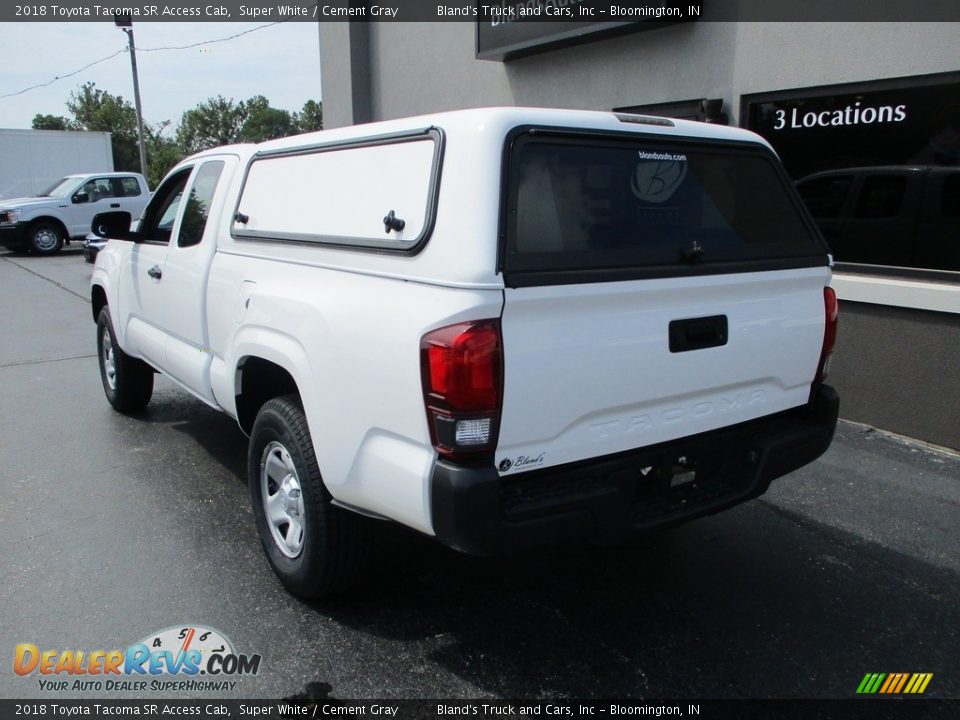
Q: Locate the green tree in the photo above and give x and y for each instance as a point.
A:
(51, 122)
(97, 110)
(263, 122)
(162, 153)
(219, 121)
(216, 121)
(310, 118)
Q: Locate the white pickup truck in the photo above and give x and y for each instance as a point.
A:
(499, 327)
(65, 210)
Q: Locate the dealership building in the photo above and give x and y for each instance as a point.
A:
(867, 114)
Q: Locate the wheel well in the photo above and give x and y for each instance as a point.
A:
(98, 299)
(52, 221)
(260, 380)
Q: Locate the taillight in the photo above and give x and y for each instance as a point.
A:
(831, 310)
(462, 371)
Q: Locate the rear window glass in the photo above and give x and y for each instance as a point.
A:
(578, 204)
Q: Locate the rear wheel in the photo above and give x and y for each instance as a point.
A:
(314, 547)
(127, 381)
(44, 238)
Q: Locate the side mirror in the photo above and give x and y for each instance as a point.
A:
(113, 225)
(80, 197)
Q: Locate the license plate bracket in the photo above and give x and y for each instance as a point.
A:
(683, 470)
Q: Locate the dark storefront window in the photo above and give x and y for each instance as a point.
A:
(878, 165)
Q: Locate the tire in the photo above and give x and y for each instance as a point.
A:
(315, 548)
(127, 381)
(44, 238)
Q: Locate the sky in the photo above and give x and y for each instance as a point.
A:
(280, 62)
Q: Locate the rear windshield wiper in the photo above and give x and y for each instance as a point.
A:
(693, 253)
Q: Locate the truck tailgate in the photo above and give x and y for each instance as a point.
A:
(589, 370)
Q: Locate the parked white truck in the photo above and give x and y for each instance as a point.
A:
(43, 223)
(498, 327)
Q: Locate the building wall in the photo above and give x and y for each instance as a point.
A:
(427, 67)
(899, 369)
(896, 368)
(776, 56)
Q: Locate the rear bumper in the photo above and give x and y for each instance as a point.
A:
(608, 498)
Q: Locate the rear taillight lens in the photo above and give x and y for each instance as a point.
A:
(462, 371)
(832, 311)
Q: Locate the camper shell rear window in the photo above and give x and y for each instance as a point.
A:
(588, 208)
(344, 193)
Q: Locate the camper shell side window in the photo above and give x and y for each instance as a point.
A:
(377, 193)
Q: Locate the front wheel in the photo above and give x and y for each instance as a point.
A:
(127, 381)
(44, 238)
(314, 547)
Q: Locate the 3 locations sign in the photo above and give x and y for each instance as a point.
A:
(508, 29)
(907, 121)
(853, 114)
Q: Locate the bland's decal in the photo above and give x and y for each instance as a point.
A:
(521, 462)
(658, 175)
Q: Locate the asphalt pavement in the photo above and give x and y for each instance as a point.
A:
(115, 527)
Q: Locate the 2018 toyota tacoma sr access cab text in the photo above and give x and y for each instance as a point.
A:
(499, 327)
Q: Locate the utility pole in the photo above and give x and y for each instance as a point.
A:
(125, 23)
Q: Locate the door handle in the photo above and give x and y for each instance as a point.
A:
(114, 204)
(698, 333)
(155, 272)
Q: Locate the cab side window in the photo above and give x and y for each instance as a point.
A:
(826, 196)
(881, 196)
(161, 213)
(98, 188)
(90, 190)
(197, 208)
(126, 187)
